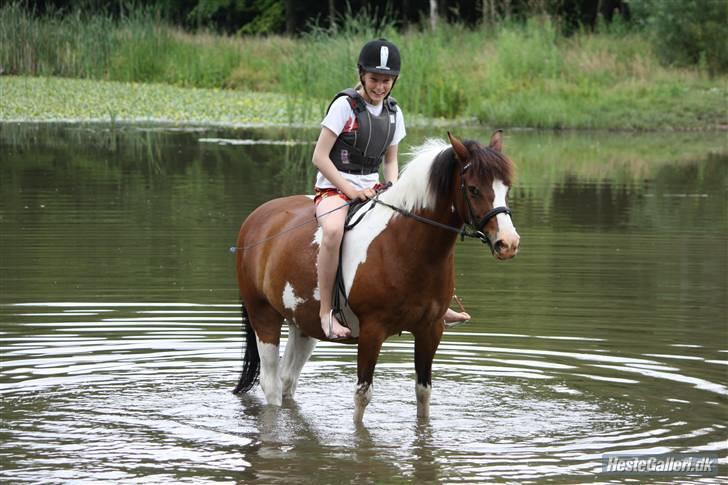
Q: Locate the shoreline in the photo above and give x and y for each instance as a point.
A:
(41, 100)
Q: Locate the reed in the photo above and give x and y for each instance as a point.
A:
(526, 75)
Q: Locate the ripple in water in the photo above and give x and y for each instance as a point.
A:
(118, 391)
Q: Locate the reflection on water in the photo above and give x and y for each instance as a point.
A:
(119, 320)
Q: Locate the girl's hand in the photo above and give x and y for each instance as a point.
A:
(363, 194)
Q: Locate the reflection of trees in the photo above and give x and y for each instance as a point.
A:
(544, 159)
(90, 209)
(616, 258)
(298, 172)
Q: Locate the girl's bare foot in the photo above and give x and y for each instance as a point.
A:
(333, 330)
(453, 318)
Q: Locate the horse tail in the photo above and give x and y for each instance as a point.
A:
(251, 359)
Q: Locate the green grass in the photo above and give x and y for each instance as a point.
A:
(506, 75)
(47, 99)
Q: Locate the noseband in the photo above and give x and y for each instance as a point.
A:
(480, 225)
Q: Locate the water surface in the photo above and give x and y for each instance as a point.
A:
(120, 328)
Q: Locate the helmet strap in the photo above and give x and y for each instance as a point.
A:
(364, 86)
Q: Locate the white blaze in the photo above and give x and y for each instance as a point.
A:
(504, 220)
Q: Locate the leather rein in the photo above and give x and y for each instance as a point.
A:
(469, 229)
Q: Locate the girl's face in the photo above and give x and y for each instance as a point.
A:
(376, 86)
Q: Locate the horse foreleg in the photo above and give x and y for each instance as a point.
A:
(426, 343)
(298, 351)
(370, 344)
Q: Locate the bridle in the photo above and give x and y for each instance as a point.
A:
(480, 225)
(475, 230)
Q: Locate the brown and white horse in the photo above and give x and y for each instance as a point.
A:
(398, 270)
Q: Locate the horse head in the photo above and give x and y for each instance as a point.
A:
(483, 181)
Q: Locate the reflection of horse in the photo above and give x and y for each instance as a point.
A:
(398, 270)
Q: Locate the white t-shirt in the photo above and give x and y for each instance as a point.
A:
(341, 118)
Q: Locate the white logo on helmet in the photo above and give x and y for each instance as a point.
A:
(383, 57)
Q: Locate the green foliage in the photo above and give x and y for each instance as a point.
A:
(503, 75)
(530, 51)
(47, 98)
(243, 16)
(271, 18)
(324, 61)
(687, 33)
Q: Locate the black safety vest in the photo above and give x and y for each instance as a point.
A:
(362, 150)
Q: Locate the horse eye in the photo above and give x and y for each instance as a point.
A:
(473, 191)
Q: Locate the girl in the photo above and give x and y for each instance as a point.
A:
(362, 128)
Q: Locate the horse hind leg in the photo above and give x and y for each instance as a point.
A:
(267, 324)
(298, 350)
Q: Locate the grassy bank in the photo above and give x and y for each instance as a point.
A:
(509, 75)
(49, 99)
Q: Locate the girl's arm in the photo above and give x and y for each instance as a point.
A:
(323, 163)
(391, 167)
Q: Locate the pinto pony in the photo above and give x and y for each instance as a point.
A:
(397, 265)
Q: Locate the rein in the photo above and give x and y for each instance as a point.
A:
(477, 229)
(476, 232)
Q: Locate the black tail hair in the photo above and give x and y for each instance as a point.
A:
(251, 359)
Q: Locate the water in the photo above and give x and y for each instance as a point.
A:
(119, 318)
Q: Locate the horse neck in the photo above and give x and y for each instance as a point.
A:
(438, 240)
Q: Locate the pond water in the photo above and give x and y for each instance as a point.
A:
(120, 328)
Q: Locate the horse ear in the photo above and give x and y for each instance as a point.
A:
(460, 151)
(496, 141)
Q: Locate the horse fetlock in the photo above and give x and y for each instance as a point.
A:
(362, 397)
(274, 399)
(364, 389)
(273, 393)
(423, 393)
(289, 388)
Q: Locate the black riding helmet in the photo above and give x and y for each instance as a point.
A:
(379, 56)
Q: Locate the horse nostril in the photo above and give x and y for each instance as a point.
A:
(498, 246)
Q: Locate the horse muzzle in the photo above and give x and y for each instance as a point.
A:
(506, 246)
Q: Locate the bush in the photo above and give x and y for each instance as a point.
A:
(687, 33)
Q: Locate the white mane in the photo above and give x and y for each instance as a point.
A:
(411, 191)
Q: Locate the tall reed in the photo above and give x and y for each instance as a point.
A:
(508, 74)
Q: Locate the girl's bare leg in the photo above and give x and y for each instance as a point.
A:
(332, 225)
